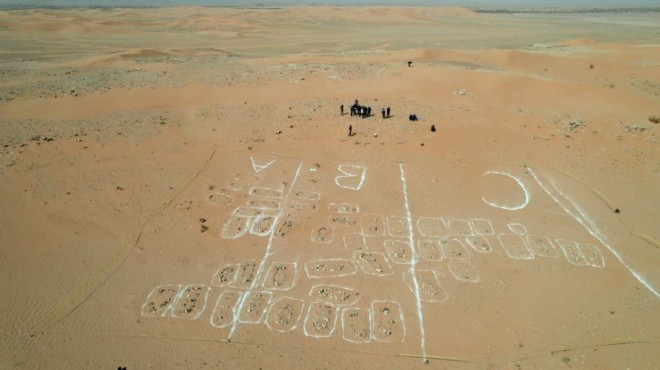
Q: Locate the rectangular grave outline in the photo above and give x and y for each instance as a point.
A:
(357, 259)
(327, 241)
(506, 250)
(169, 306)
(456, 262)
(310, 276)
(373, 321)
(213, 279)
(407, 279)
(217, 301)
(600, 254)
(554, 248)
(332, 207)
(388, 247)
(263, 312)
(389, 228)
(344, 311)
(338, 305)
(180, 295)
(435, 236)
(383, 224)
(309, 310)
(478, 231)
(490, 247)
(565, 245)
(276, 301)
(255, 222)
(457, 232)
(293, 280)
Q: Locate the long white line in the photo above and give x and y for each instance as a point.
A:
(413, 265)
(269, 252)
(593, 230)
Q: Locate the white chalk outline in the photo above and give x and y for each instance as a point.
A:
(231, 308)
(347, 261)
(268, 253)
(349, 175)
(369, 217)
(263, 311)
(327, 240)
(235, 283)
(251, 212)
(413, 266)
(309, 312)
(255, 223)
(452, 265)
(528, 256)
(225, 234)
(593, 247)
(544, 255)
(356, 257)
(311, 196)
(444, 245)
(344, 312)
(373, 321)
(436, 244)
(432, 235)
(517, 228)
(293, 280)
(200, 311)
(480, 232)
(267, 190)
(518, 181)
(399, 220)
(591, 228)
(389, 245)
(168, 307)
(336, 207)
(260, 167)
(231, 199)
(454, 229)
(297, 320)
(236, 186)
(253, 203)
(476, 237)
(314, 289)
(364, 242)
(408, 279)
(338, 221)
(572, 252)
(217, 273)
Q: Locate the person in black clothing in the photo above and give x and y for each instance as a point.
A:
(350, 130)
(432, 128)
(341, 109)
(388, 112)
(383, 112)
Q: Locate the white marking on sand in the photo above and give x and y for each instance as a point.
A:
(555, 193)
(260, 167)
(520, 183)
(347, 174)
(269, 246)
(413, 265)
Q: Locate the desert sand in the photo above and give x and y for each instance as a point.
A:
(179, 189)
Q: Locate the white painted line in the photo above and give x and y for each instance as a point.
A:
(260, 167)
(413, 265)
(155, 292)
(262, 265)
(354, 317)
(347, 174)
(517, 228)
(555, 193)
(520, 183)
(335, 295)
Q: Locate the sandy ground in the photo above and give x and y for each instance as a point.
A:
(179, 189)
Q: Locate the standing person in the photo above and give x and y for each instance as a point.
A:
(341, 109)
(383, 112)
(368, 111)
(388, 112)
(350, 130)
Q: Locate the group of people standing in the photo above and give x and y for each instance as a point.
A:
(364, 111)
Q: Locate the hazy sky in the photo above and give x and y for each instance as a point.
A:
(544, 3)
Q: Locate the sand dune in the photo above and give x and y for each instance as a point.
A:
(180, 190)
